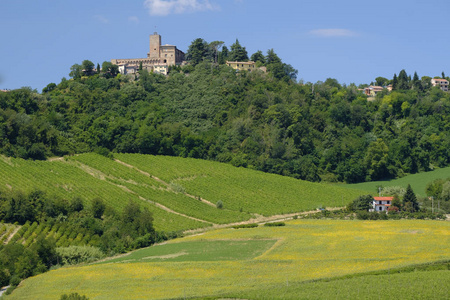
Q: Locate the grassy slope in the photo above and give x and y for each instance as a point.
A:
(417, 181)
(305, 250)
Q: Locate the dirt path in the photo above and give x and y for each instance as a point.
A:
(259, 220)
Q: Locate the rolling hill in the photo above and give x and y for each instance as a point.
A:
(182, 193)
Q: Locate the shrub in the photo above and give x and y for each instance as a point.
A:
(275, 224)
(73, 296)
(78, 254)
(245, 226)
(219, 204)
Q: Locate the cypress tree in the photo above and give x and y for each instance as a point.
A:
(409, 200)
(394, 82)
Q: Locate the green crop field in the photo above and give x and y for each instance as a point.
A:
(417, 181)
(67, 179)
(182, 193)
(241, 189)
(304, 250)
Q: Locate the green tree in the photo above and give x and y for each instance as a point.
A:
(381, 81)
(109, 69)
(98, 68)
(258, 56)
(97, 207)
(403, 80)
(409, 200)
(87, 66)
(76, 71)
(215, 49)
(395, 82)
(223, 55)
(361, 203)
(197, 51)
(238, 53)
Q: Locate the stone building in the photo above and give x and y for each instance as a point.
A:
(158, 59)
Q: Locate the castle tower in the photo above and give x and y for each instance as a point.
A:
(155, 44)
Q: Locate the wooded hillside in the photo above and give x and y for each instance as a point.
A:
(322, 131)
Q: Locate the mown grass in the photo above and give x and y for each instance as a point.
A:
(221, 250)
(417, 181)
(305, 250)
(242, 189)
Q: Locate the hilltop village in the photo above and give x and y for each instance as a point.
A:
(161, 57)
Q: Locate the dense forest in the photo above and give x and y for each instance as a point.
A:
(322, 131)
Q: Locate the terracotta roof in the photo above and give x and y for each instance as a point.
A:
(383, 198)
(438, 79)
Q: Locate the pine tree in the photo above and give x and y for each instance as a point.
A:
(238, 53)
(410, 201)
(98, 68)
(395, 82)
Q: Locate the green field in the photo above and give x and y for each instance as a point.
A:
(199, 251)
(242, 189)
(417, 181)
(305, 250)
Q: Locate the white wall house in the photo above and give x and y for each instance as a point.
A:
(381, 203)
(442, 83)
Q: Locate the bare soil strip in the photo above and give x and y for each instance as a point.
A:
(12, 234)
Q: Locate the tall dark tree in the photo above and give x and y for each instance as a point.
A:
(223, 55)
(98, 68)
(238, 53)
(416, 83)
(395, 82)
(258, 56)
(403, 80)
(197, 51)
(443, 75)
(409, 200)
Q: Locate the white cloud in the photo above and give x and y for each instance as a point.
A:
(101, 19)
(166, 7)
(133, 19)
(333, 32)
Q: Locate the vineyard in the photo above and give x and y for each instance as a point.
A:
(62, 234)
(270, 262)
(181, 193)
(241, 189)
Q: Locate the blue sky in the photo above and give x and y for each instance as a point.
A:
(350, 40)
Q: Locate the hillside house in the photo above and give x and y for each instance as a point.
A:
(381, 203)
(242, 65)
(373, 90)
(442, 83)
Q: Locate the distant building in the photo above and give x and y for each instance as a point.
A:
(242, 65)
(245, 66)
(442, 83)
(381, 203)
(158, 59)
(373, 90)
(5, 91)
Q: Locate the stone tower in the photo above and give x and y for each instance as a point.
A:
(155, 45)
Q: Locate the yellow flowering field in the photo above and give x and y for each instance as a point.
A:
(304, 250)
